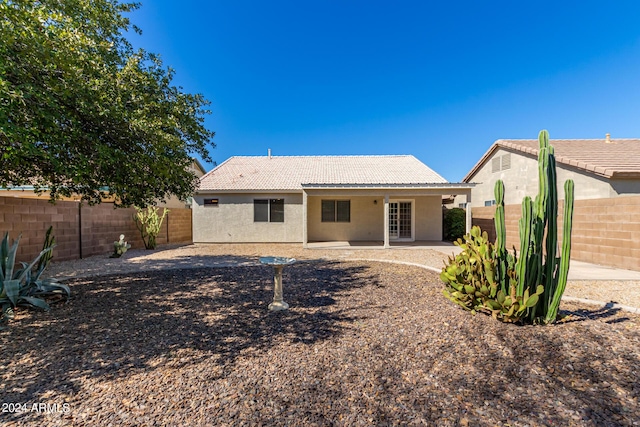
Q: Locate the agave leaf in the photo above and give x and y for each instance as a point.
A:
(34, 262)
(11, 257)
(52, 286)
(36, 302)
(12, 290)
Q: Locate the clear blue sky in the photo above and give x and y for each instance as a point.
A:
(439, 80)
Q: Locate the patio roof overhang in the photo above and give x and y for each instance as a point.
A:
(388, 191)
(439, 185)
(417, 189)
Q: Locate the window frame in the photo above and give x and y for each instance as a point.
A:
(269, 213)
(331, 211)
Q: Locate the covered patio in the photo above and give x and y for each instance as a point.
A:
(377, 215)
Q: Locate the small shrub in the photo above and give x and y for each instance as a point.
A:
(148, 223)
(120, 247)
(24, 287)
(471, 281)
(454, 223)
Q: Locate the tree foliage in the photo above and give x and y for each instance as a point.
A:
(82, 112)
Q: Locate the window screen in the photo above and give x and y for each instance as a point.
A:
(343, 210)
(276, 210)
(261, 210)
(328, 211)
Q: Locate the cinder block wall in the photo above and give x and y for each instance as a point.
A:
(604, 230)
(81, 231)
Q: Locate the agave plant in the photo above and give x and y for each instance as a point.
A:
(24, 286)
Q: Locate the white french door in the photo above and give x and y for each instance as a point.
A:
(401, 220)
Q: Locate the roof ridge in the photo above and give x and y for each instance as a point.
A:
(321, 155)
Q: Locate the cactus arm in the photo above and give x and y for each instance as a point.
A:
(550, 279)
(563, 269)
(525, 243)
(501, 253)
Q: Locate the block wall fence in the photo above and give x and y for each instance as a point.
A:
(80, 230)
(604, 230)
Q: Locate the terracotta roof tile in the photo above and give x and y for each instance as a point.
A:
(291, 172)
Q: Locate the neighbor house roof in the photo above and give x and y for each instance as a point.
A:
(607, 157)
(295, 172)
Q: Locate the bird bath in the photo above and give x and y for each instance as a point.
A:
(278, 264)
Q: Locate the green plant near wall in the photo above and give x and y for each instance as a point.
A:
(454, 223)
(527, 287)
(24, 286)
(148, 223)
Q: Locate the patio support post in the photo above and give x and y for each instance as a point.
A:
(386, 221)
(305, 237)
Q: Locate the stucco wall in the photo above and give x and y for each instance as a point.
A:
(521, 180)
(429, 218)
(232, 220)
(367, 220)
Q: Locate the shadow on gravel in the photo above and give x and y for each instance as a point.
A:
(116, 324)
(548, 378)
(605, 312)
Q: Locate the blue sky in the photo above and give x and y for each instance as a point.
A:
(439, 80)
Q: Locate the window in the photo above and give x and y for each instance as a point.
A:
(489, 202)
(211, 202)
(268, 210)
(336, 211)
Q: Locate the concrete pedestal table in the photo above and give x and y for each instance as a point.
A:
(278, 264)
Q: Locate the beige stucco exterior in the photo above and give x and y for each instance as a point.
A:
(521, 179)
(367, 218)
(231, 221)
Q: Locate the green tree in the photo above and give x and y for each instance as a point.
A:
(82, 112)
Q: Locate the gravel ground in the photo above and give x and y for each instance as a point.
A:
(626, 293)
(364, 343)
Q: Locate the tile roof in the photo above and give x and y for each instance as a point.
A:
(613, 158)
(292, 172)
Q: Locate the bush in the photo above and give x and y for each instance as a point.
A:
(24, 287)
(471, 280)
(148, 223)
(454, 223)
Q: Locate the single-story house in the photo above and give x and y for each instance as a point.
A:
(321, 198)
(601, 169)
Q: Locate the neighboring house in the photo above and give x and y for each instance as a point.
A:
(321, 198)
(173, 202)
(601, 168)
